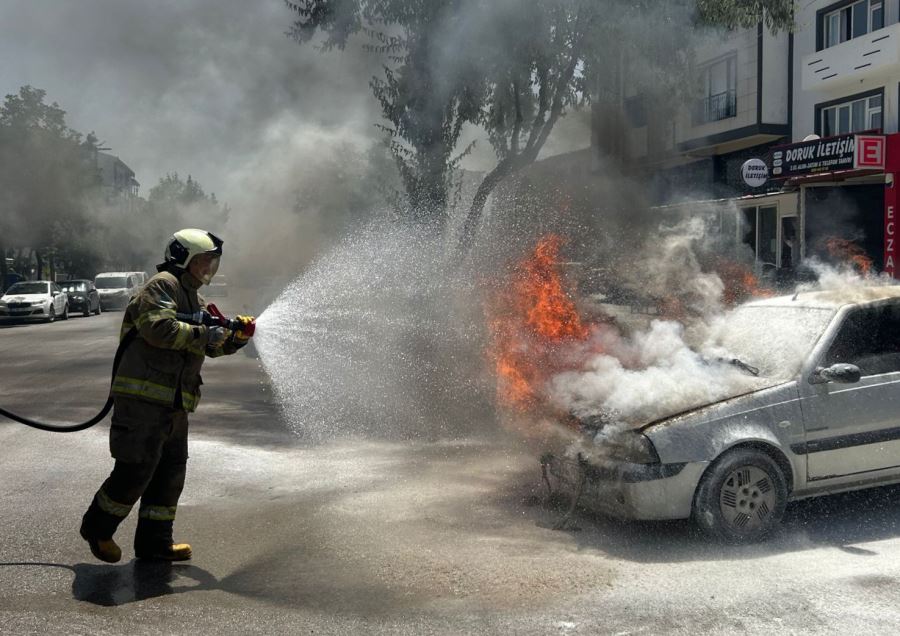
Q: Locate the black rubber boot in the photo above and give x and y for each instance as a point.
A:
(153, 541)
(97, 528)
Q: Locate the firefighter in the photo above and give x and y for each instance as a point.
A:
(155, 387)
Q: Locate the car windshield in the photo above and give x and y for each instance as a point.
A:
(74, 287)
(28, 288)
(111, 282)
(774, 340)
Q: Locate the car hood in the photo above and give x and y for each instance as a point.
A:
(763, 396)
(25, 298)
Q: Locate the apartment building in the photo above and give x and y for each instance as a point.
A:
(847, 65)
(819, 107)
(742, 108)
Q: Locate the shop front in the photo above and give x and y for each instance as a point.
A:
(846, 197)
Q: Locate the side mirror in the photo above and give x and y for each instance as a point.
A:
(841, 373)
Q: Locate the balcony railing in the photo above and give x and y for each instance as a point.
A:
(716, 107)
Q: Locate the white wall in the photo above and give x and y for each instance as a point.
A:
(744, 43)
(776, 64)
(805, 101)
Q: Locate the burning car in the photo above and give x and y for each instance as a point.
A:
(818, 414)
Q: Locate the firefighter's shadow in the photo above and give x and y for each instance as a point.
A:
(112, 585)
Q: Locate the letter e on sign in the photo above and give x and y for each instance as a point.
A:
(869, 152)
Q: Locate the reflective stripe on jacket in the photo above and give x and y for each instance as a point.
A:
(166, 356)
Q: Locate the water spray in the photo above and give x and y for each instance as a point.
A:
(212, 317)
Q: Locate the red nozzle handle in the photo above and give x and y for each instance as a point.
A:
(213, 311)
(235, 325)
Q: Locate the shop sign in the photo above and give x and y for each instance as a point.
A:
(755, 173)
(890, 234)
(845, 152)
(869, 152)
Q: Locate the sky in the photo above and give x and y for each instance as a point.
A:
(212, 88)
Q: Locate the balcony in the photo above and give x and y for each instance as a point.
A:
(873, 54)
(715, 108)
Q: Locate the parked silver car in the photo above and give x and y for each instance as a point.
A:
(825, 419)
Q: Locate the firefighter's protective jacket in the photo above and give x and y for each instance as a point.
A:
(162, 364)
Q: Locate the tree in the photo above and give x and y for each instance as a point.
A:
(45, 170)
(513, 67)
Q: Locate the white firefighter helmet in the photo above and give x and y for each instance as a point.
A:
(186, 244)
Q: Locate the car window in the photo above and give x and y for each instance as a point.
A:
(111, 282)
(28, 288)
(870, 339)
(79, 286)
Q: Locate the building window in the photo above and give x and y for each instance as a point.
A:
(719, 98)
(761, 234)
(851, 21)
(853, 115)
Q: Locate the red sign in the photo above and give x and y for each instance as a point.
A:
(890, 231)
(869, 152)
(892, 205)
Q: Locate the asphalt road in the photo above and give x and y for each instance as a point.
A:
(388, 536)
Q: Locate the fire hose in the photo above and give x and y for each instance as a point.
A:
(212, 317)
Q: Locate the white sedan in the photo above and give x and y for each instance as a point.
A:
(34, 300)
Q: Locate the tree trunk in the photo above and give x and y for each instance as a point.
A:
(39, 264)
(4, 270)
(490, 181)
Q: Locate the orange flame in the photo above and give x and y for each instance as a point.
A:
(533, 320)
(740, 283)
(850, 253)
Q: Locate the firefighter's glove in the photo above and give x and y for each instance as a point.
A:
(216, 336)
(241, 336)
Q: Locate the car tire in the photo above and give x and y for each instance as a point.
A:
(65, 315)
(741, 497)
(87, 309)
(51, 315)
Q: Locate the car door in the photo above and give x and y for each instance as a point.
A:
(59, 300)
(854, 428)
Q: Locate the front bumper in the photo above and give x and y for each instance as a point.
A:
(630, 491)
(29, 313)
(113, 302)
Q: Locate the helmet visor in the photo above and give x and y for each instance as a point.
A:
(213, 268)
(206, 267)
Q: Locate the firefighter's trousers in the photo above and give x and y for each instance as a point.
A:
(149, 444)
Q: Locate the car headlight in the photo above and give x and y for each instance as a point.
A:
(632, 447)
(38, 303)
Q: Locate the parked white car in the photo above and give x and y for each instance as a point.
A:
(34, 300)
(824, 419)
(116, 288)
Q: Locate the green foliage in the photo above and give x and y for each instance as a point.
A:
(512, 67)
(45, 170)
(775, 14)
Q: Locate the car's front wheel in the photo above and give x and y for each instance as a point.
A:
(741, 497)
(51, 315)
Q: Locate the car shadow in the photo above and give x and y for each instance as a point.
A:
(845, 521)
(10, 324)
(113, 585)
